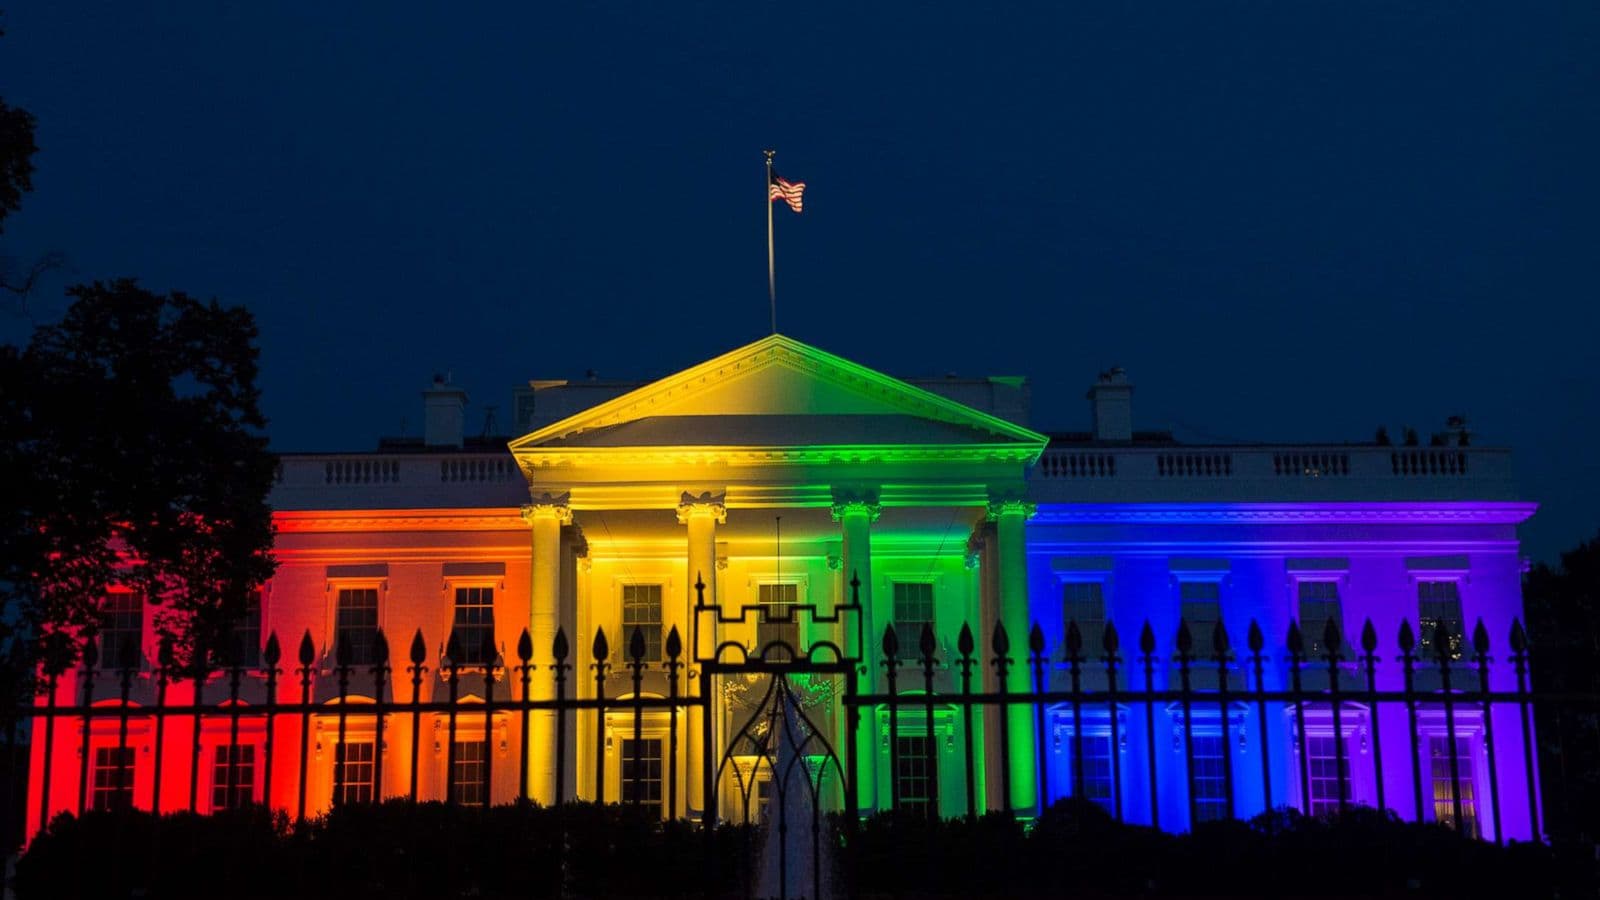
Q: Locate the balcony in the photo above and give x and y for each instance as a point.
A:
(397, 481)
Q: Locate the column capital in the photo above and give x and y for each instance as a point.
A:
(706, 504)
(549, 506)
(843, 509)
(1000, 508)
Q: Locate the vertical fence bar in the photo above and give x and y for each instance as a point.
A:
(525, 675)
(341, 758)
(271, 655)
(558, 651)
(1480, 646)
(418, 654)
(1408, 643)
(1037, 660)
(1075, 673)
(1109, 642)
(674, 648)
(928, 645)
(1219, 651)
(1442, 648)
(1001, 645)
(124, 777)
(235, 675)
(636, 665)
(965, 645)
(891, 666)
(1297, 658)
(91, 655)
(1331, 638)
(1369, 658)
(380, 678)
(199, 664)
(601, 650)
(50, 680)
(491, 657)
(308, 658)
(1147, 649)
(1256, 641)
(163, 672)
(1519, 660)
(452, 666)
(1185, 645)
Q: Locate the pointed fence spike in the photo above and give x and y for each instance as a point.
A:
(1109, 641)
(1408, 638)
(91, 653)
(636, 644)
(1369, 637)
(674, 646)
(891, 641)
(855, 588)
(1254, 638)
(1147, 639)
(1480, 639)
(308, 650)
(1330, 636)
(273, 651)
(1295, 641)
(559, 647)
(1219, 639)
(601, 648)
(1519, 638)
(525, 646)
(488, 651)
(380, 651)
(964, 640)
(453, 650)
(1075, 639)
(1185, 639)
(341, 649)
(1442, 639)
(1000, 643)
(419, 648)
(1036, 640)
(927, 644)
(699, 588)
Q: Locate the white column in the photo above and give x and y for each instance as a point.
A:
(1009, 517)
(855, 518)
(700, 515)
(545, 515)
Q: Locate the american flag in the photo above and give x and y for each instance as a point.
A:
(780, 188)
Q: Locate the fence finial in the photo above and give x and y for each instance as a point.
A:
(1147, 639)
(419, 649)
(308, 650)
(525, 647)
(1408, 639)
(1369, 637)
(964, 642)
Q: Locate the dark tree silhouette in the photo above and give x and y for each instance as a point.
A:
(1563, 607)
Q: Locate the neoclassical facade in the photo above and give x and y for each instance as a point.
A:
(787, 483)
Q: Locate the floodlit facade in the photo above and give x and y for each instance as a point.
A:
(776, 475)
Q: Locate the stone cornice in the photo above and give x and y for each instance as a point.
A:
(369, 520)
(1443, 512)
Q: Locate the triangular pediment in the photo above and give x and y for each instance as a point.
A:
(779, 392)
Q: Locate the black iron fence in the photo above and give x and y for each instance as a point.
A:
(1446, 678)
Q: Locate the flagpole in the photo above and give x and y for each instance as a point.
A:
(772, 279)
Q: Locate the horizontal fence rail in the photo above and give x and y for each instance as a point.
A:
(1070, 683)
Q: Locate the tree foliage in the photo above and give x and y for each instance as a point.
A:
(134, 432)
(1563, 607)
(16, 158)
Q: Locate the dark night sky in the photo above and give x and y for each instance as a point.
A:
(1289, 221)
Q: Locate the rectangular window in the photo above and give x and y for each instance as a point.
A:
(1438, 602)
(778, 620)
(121, 630)
(1319, 604)
(641, 609)
(1330, 781)
(246, 636)
(233, 776)
(1098, 785)
(641, 766)
(1210, 799)
(357, 623)
(466, 779)
(913, 608)
(113, 778)
(1201, 607)
(1439, 771)
(912, 775)
(474, 625)
(356, 760)
(1084, 602)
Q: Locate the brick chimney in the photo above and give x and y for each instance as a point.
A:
(1111, 404)
(444, 413)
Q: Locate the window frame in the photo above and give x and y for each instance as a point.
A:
(337, 588)
(104, 791)
(1355, 726)
(472, 651)
(1096, 724)
(220, 785)
(110, 653)
(1094, 635)
(654, 646)
(911, 638)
